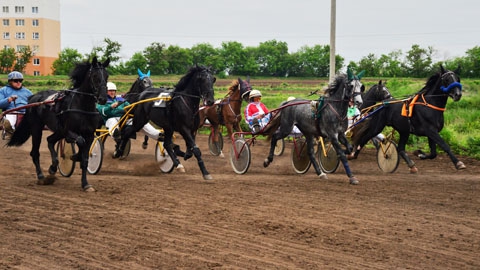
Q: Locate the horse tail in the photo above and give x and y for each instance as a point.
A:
(22, 132)
(273, 125)
(360, 130)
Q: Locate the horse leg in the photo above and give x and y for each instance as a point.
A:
(433, 140)
(145, 142)
(83, 149)
(172, 149)
(193, 148)
(401, 151)
(341, 154)
(313, 160)
(35, 153)
(52, 140)
(273, 142)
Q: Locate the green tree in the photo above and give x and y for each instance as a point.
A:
(66, 61)
(24, 55)
(418, 62)
(370, 64)
(130, 67)
(471, 63)
(179, 59)
(273, 58)
(154, 54)
(390, 65)
(233, 55)
(7, 59)
(312, 61)
(110, 49)
(205, 54)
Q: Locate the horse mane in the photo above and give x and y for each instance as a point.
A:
(233, 86)
(431, 83)
(183, 83)
(338, 81)
(78, 74)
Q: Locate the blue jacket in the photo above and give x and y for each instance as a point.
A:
(7, 91)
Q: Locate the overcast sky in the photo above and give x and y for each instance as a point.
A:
(363, 27)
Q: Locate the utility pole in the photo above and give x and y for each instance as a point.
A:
(333, 11)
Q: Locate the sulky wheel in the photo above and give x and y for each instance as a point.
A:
(95, 157)
(164, 161)
(215, 147)
(240, 156)
(387, 156)
(300, 160)
(65, 151)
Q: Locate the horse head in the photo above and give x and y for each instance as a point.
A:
(450, 83)
(144, 80)
(98, 79)
(204, 80)
(356, 86)
(377, 92)
(245, 88)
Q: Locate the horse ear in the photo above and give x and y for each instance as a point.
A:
(94, 60)
(442, 69)
(106, 63)
(148, 73)
(360, 75)
(458, 69)
(140, 73)
(380, 82)
(349, 74)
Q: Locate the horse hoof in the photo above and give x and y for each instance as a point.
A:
(354, 181)
(323, 176)
(49, 180)
(266, 163)
(413, 169)
(116, 154)
(144, 146)
(89, 188)
(460, 166)
(180, 168)
(221, 154)
(207, 177)
(351, 156)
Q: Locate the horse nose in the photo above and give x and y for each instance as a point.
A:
(102, 100)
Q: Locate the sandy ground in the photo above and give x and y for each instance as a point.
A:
(268, 218)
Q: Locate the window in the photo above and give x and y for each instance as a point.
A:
(34, 9)
(36, 61)
(35, 49)
(36, 73)
(6, 35)
(20, 35)
(6, 22)
(6, 47)
(36, 35)
(19, 22)
(19, 9)
(5, 9)
(21, 48)
(35, 22)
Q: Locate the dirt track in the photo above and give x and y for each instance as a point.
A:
(266, 219)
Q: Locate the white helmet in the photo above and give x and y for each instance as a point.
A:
(111, 86)
(290, 98)
(254, 93)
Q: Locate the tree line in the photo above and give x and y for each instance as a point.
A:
(270, 59)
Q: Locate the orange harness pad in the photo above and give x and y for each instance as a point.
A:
(408, 113)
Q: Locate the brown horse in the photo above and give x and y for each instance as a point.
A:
(226, 111)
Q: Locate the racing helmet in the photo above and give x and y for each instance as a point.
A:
(15, 75)
(111, 86)
(254, 93)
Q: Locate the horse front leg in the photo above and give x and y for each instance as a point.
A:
(193, 148)
(313, 160)
(341, 154)
(273, 143)
(433, 140)
(52, 140)
(84, 149)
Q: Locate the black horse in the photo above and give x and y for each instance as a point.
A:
(371, 98)
(175, 110)
(73, 117)
(421, 115)
(141, 83)
(327, 119)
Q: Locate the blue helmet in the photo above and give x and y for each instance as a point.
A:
(15, 75)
